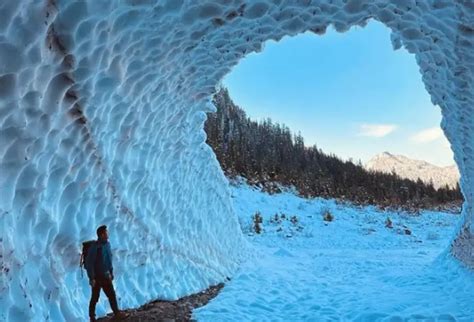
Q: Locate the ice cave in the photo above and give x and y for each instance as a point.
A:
(102, 106)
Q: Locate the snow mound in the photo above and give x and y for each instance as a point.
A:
(102, 105)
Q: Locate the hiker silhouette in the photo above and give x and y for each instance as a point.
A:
(98, 263)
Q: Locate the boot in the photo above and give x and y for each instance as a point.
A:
(120, 315)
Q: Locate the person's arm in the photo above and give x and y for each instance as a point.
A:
(109, 250)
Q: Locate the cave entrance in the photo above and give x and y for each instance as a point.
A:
(440, 53)
(310, 239)
(353, 84)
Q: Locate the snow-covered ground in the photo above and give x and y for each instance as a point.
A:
(353, 268)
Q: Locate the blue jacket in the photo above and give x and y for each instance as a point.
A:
(99, 267)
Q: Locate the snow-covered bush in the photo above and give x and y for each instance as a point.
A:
(257, 222)
(327, 215)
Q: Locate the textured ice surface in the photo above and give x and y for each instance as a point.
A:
(102, 105)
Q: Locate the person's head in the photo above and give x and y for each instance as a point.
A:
(102, 233)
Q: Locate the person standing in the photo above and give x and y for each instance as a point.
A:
(98, 264)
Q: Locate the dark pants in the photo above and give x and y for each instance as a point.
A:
(108, 287)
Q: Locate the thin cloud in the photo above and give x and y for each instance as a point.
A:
(446, 143)
(428, 135)
(376, 130)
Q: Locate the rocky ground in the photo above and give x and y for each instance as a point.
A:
(170, 311)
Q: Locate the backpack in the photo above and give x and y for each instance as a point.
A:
(85, 250)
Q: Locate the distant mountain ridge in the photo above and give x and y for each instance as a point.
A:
(414, 169)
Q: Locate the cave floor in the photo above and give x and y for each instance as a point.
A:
(170, 311)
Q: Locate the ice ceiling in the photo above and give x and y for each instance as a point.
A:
(102, 105)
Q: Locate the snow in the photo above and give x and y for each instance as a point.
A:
(353, 268)
(414, 169)
(102, 105)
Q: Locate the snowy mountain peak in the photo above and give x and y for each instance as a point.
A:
(414, 169)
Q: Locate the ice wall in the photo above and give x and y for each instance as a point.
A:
(102, 105)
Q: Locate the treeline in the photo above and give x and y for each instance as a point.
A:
(266, 153)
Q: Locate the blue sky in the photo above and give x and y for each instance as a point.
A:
(349, 93)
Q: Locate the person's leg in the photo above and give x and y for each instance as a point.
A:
(94, 299)
(110, 292)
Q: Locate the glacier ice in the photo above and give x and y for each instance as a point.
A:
(102, 105)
